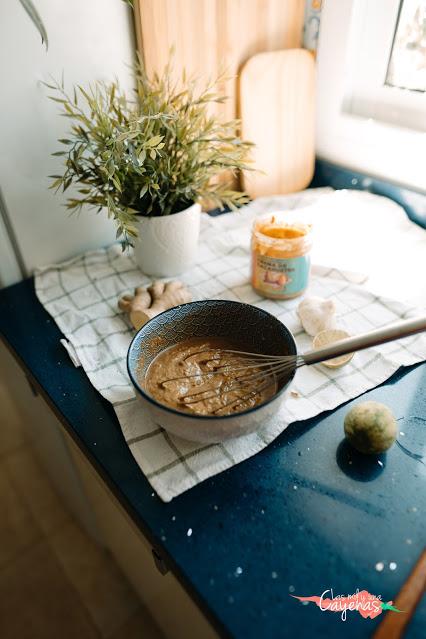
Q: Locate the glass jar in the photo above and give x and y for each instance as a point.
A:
(280, 256)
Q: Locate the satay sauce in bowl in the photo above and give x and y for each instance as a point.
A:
(168, 347)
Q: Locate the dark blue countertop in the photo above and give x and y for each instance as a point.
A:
(305, 515)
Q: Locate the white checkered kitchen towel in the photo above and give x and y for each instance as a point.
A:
(81, 295)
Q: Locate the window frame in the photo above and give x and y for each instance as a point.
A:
(370, 145)
(367, 94)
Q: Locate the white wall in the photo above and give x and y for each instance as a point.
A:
(88, 40)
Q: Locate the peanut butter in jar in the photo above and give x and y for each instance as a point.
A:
(280, 256)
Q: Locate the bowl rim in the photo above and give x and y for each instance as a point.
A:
(173, 411)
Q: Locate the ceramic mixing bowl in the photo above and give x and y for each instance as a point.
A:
(255, 329)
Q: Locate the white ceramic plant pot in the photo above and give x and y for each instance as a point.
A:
(168, 245)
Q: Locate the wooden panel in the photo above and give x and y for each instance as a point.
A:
(168, 603)
(44, 434)
(210, 34)
(277, 110)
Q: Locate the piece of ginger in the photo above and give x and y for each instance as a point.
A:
(148, 302)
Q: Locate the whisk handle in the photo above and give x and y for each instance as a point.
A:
(366, 340)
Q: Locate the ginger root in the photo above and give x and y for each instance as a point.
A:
(148, 302)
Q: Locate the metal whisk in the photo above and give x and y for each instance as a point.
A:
(248, 375)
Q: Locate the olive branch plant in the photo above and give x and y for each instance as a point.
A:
(151, 154)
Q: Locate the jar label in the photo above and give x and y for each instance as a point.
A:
(281, 276)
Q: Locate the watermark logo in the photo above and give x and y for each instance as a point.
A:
(367, 605)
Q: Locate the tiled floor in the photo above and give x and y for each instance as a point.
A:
(55, 582)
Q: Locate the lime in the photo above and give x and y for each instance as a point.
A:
(370, 427)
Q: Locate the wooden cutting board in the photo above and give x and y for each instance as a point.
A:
(277, 91)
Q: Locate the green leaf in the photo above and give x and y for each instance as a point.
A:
(155, 140)
(110, 167)
(143, 190)
(60, 100)
(56, 183)
(133, 155)
(116, 183)
(85, 94)
(36, 20)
